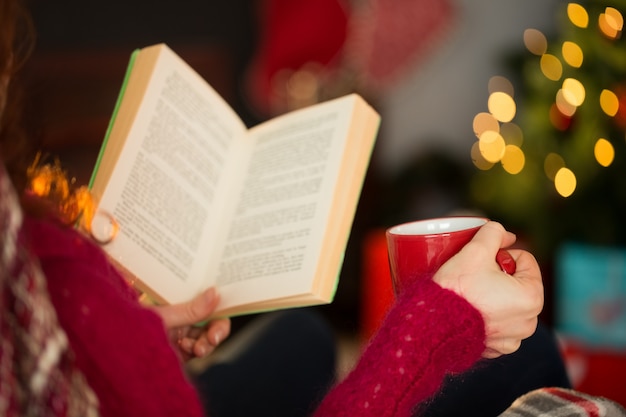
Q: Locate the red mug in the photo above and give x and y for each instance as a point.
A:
(417, 249)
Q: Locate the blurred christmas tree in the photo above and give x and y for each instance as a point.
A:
(551, 155)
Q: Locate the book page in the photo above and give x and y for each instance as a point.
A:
(164, 191)
(275, 238)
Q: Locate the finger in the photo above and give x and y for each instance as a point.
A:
(489, 239)
(191, 312)
(494, 236)
(526, 264)
(528, 276)
(202, 347)
(215, 334)
(186, 344)
(218, 330)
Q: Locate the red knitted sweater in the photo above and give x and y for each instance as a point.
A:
(121, 347)
(428, 333)
(127, 358)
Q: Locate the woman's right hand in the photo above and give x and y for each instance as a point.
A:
(510, 304)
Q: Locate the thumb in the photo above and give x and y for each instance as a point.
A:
(493, 236)
(191, 312)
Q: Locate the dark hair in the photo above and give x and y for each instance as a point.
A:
(17, 39)
(44, 188)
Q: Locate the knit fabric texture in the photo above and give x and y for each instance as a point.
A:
(125, 354)
(38, 372)
(121, 347)
(428, 333)
(561, 402)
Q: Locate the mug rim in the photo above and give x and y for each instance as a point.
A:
(407, 228)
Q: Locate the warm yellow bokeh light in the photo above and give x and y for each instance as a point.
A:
(491, 145)
(611, 23)
(551, 67)
(573, 92)
(577, 15)
(552, 164)
(483, 122)
(604, 152)
(565, 182)
(609, 102)
(500, 84)
(513, 160)
(501, 106)
(614, 18)
(535, 41)
(563, 104)
(606, 28)
(479, 161)
(512, 134)
(572, 54)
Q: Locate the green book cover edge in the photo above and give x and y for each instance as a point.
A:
(118, 102)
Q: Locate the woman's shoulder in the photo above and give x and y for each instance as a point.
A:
(48, 238)
(68, 257)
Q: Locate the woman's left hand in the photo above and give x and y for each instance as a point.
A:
(181, 323)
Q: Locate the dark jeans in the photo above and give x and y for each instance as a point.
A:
(279, 365)
(492, 385)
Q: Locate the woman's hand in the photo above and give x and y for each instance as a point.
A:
(181, 323)
(510, 304)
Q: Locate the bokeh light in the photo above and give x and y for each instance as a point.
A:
(573, 91)
(578, 15)
(477, 158)
(572, 121)
(535, 41)
(501, 106)
(552, 164)
(614, 18)
(572, 54)
(558, 119)
(564, 105)
(513, 160)
(604, 152)
(609, 102)
(551, 67)
(491, 145)
(565, 182)
(500, 84)
(483, 122)
(611, 23)
(512, 134)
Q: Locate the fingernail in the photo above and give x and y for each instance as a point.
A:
(217, 338)
(200, 350)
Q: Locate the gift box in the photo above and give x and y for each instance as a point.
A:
(590, 295)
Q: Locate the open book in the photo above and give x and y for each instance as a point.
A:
(263, 214)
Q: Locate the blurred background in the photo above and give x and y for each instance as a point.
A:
(511, 109)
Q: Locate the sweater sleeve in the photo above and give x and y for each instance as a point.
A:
(428, 333)
(121, 347)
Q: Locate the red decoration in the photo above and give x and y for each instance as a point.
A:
(388, 38)
(295, 33)
(620, 116)
(377, 291)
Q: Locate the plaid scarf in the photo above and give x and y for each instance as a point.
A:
(561, 402)
(38, 376)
